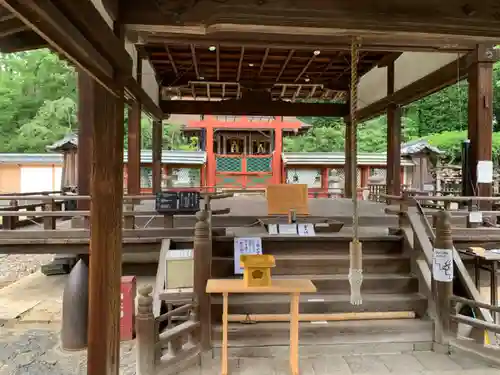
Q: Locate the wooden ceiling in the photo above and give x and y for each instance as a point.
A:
(15, 35)
(222, 72)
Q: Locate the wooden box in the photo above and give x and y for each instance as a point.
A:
(257, 269)
(179, 269)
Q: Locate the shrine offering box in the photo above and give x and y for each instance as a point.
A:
(257, 270)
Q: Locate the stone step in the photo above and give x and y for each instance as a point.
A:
(321, 264)
(339, 337)
(319, 303)
(224, 247)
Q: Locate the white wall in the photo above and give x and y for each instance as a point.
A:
(408, 68)
(35, 179)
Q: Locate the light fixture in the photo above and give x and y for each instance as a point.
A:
(212, 48)
(202, 78)
(307, 79)
(250, 64)
(316, 52)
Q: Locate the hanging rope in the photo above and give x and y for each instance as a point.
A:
(355, 249)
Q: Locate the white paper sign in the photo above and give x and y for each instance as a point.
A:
(287, 228)
(272, 229)
(428, 187)
(306, 229)
(442, 265)
(475, 217)
(244, 246)
(484, 172)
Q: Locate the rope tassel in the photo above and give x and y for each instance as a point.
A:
(355, 248)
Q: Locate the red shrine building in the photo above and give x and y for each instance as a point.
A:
(245, 152)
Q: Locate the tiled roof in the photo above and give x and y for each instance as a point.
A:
(336, 158)
(418, 146)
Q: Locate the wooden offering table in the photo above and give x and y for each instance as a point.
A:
(292, 287)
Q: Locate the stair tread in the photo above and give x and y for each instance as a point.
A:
(382, 324)
(313, 256)
(330, 333)
(316, 297)
(366, 276)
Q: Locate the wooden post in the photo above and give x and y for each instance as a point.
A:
(202, 270)
(442, 288)
(480, 119)
(278, 149)
(134, 142)
(157, 141)
(393, 176)
(49, 222)
(348, 146)
(86, 119)
(106, 232)
(145, 331)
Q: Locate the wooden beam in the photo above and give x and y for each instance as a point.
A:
(106, 235)
(257, 108)
(288, 58)
(331, 18)
(52, 25)
(263, 62)
(134, 89)
(171, 59)
(388, 59)
(240, 63)
(12, 26)
(84, 15)
(21, 41)
(195, 60)
(217, 56)
(435, 81)
(309, 62)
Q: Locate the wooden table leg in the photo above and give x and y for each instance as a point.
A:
(294, 334)
(225, 298)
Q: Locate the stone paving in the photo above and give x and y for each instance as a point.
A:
(35, 351)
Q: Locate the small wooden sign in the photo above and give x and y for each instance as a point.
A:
(177, 201)
(283, 198)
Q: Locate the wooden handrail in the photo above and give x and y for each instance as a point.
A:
(473, 303)
(455, 198)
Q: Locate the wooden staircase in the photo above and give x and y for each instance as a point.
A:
(388, 286)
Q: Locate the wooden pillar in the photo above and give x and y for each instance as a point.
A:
(348, 146)
(278, 149)
(106, 234)
(86, 118)
(480, 117)
(157, 143)
(134, 141)
(442, 283)
(211, 166)
(393, 176)
(202, 272)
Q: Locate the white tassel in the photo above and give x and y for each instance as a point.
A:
(356, 279)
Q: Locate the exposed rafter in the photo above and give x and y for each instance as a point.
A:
(290, 54)
(195, 60)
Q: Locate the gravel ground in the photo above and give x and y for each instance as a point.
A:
(15, 266)
(37, 352)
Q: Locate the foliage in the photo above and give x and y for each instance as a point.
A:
(38, 106)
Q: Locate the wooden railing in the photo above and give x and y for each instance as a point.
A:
(158, 348)
(161, 343)
(28, 213)
(422, 238)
